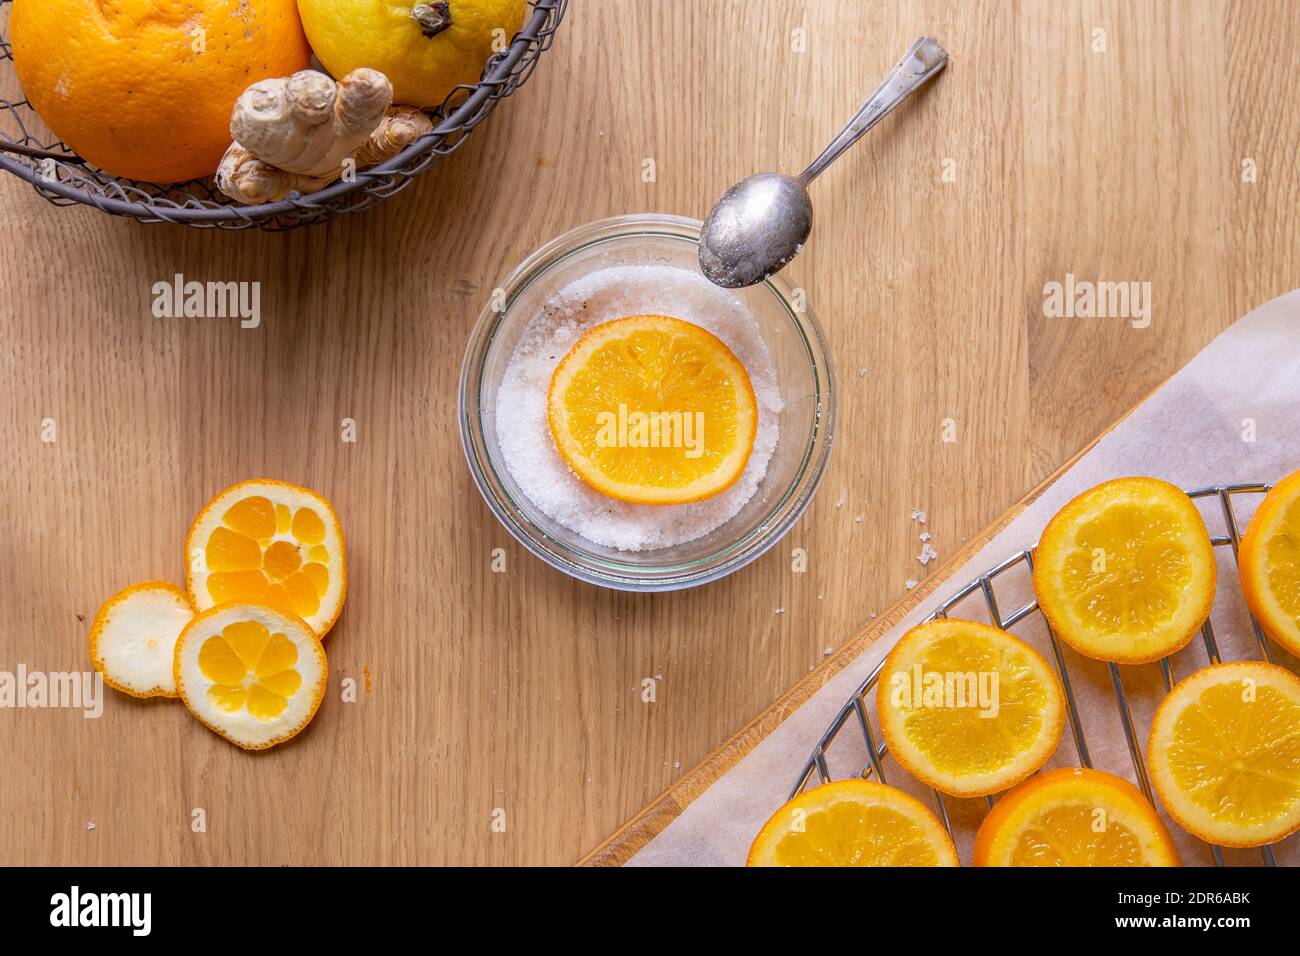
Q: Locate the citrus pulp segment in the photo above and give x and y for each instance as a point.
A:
(269, 542)
(252, 673)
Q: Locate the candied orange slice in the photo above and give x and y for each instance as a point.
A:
(967, 708)
(853, 823)
(1224, 753)
(269, 542)
(1270, 563)
(253, 673)
(1074, 817)
(653, 410)
(134, 636)
(1125, 572)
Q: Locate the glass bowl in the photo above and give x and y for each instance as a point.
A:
(803, 371)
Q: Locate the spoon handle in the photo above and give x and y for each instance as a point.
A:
(923, 60)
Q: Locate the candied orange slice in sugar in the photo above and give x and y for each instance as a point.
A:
(272, 543)
(653, 410)
(253, 673)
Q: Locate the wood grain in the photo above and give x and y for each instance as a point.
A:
(521, 691)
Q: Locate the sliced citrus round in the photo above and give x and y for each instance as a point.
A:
(1074, 817)
(653, 410)
(1270, 563)
(269, 542)
(134, 635)
(967, 708)
(853, 823)
(1224, 753)
(253, 673)
(1125, 572)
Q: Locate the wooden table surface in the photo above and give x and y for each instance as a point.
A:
(1137, 142)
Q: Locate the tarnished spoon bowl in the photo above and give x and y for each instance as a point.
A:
(762, 222)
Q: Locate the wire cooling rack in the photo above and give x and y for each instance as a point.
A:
(855, 711)
(65, 179)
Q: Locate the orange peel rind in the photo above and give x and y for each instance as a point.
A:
(133, 638)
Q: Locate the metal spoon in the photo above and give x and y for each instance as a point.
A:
(761, 222)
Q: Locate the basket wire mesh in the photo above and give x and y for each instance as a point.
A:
(855, 711)
(64, 179)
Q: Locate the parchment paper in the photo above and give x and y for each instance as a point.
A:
(1195, 431)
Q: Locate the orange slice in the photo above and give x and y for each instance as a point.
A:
(1224, 753)
(1074, 817)
(853, 823)
(269, 542)
(967, 708)
(653, 410)
(134, 636)
(1270, 563)
(1125, 572)
(253, 673)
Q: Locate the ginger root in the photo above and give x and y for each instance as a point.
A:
(249, 180)
(305, 131)
(401, 127)
(246, 179)
(307, 123)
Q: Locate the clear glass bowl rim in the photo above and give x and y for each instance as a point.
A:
(612, 573)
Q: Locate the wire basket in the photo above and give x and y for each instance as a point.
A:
(985, 588)
(65, 179)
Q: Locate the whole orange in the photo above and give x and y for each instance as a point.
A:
(144, 88)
